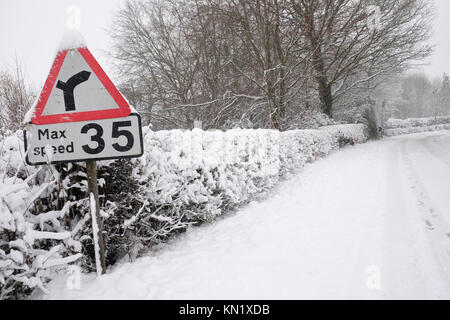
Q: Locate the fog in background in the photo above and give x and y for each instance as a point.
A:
(440, 60)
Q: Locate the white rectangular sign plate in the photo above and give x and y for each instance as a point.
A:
(84, 140)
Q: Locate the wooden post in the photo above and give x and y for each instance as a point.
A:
(99, 244)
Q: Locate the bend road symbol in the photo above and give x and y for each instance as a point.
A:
(69, 86)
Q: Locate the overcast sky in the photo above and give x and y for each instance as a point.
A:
(439, 62)
(32, 30)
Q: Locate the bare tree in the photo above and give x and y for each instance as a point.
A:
(215, 61)
(260, 63)
(275, 58)
(346, 53)
(16, 97)
(153, 56)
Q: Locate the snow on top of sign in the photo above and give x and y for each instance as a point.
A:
(72, 39)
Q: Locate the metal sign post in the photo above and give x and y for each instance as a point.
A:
(99, 243)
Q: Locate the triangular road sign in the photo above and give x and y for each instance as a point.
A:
(77, 89)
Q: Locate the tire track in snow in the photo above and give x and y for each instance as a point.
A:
(407, 260)
(422, 194)
(436, 146)
(429, 143)
(433, 221)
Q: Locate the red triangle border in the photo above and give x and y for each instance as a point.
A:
(123, 110)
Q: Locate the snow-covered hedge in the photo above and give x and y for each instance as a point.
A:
(184, 178)
(298, 147)
(416, 122)
(188, 177)
(223, 169)
(409, 130)
(395, 127)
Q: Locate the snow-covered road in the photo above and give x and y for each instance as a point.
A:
(370, 221)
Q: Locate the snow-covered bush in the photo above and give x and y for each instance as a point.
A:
(188, 177)
(184, 178)
(33, 234)
(309, 119)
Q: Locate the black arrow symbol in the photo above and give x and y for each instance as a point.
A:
(68, 87)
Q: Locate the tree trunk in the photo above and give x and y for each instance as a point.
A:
(326, 98)
(323, 86)
(274, 112)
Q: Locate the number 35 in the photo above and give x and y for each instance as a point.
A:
(116, 133)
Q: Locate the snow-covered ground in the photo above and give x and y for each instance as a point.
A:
(370, 221)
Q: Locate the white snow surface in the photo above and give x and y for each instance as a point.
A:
(370, 221)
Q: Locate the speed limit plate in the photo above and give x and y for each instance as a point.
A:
(84, 140)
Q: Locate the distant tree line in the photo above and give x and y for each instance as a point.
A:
(421, 96)
(412, 94)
